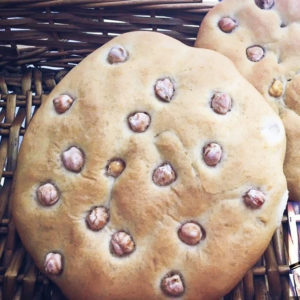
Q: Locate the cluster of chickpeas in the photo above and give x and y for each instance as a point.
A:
(122, 243)
(254, 53)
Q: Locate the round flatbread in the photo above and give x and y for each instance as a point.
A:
(262, 38)
(152, 170)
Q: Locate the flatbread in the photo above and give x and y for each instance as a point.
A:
(139, 179)
(239, 30)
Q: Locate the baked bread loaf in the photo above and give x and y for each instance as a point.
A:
(152, 170)
(262, 38)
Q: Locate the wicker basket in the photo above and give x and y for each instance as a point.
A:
(39, 42)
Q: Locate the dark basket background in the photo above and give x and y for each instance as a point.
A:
(40, 41)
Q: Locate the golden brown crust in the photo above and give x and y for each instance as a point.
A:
(277, 31)
(96, 123)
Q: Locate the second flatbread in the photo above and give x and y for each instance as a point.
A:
(262, 37)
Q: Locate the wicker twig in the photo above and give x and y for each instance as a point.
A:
(294, 254)
(103, 3)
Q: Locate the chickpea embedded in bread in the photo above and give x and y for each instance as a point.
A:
(164, 89)
(139, 121)
(212, 154)
(122, 243)
(190, 233)
(47, 194)
(221, 103)
(97, 218)
(255, 53)
(53, 264)
(276, 89)
(117, 54)
(115, 167)
(62, 103)
(73, 159)
(172, 285)
(164, 175)
(265, 4)
(227, 24)
(254, 198)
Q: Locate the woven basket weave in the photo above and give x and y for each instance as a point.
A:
(39, 42)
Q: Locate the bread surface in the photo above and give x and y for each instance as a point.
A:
(105, 94)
